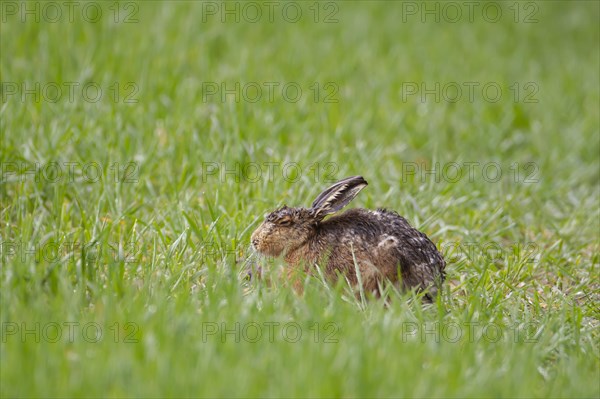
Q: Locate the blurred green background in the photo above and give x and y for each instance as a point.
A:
(143, 141)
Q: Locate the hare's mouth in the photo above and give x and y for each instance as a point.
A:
(266, 249)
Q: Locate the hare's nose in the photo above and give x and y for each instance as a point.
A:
(254, 242)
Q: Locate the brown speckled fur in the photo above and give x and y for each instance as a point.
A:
(383, 243)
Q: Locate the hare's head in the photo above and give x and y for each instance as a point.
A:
(287, 228)
(283, 229)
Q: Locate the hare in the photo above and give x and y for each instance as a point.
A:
(382, 244)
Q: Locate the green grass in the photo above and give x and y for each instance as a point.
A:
(155, 254)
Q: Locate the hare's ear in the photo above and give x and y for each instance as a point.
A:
(338, 195)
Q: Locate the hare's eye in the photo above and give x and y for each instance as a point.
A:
(285, 222)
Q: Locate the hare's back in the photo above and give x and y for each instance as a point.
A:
(368, 223)
(382, 228)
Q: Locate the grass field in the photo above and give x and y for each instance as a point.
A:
(142, 143)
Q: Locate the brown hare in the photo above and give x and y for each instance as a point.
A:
(381, 243)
